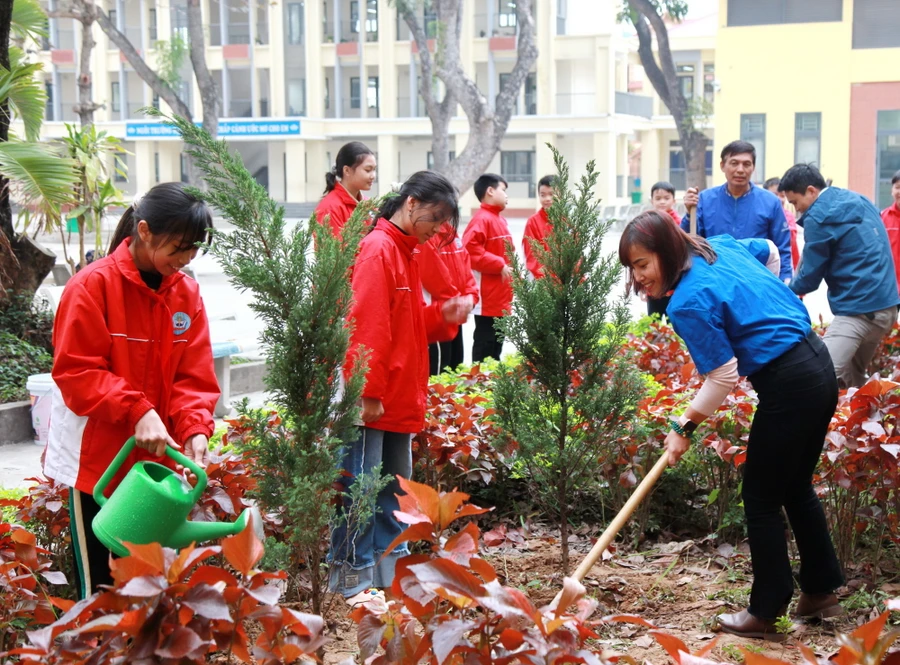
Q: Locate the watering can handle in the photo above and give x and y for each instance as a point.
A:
(123, 454)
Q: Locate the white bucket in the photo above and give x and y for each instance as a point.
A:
(40, 387)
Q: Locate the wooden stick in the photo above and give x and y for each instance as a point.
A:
(639, 494)
(693, 227)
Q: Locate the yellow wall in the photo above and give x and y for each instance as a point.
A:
(781, 70)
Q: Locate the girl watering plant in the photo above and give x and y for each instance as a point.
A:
(132, 358)
(394, 326)
(737, 319)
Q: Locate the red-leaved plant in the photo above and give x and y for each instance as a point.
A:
(168, 607)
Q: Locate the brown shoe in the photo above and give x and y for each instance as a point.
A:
(818, 605)
(745, 624)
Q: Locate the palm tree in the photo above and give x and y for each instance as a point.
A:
(43, 180)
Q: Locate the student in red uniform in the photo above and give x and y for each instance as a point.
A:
(132, 358)
(446, 272)
(537, 228)
(891, 218)
(487, 239)
(352, 174)
(394, 325)
(772, 185)
(662, 196)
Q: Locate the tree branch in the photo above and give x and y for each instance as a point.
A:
(160, 87)
(648, 60)
(209, 91)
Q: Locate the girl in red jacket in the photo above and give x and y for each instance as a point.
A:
(352, 174)
(132, 358)
(446, 272)
(394, 326)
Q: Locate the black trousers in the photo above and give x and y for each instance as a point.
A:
(797, 396)
(91, 556)
(658, 306)
(446, 355)
(488, 340)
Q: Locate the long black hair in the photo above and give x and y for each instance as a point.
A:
(169, 212)
(675, 248)
(350, 155)
(434, 191)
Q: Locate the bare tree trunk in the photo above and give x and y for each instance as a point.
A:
(662, 75)
(487, 124)
(160, 87)
(209, 91)
(85, 107)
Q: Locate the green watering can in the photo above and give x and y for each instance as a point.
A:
(152, 505)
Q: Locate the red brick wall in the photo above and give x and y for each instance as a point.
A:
(866, 99)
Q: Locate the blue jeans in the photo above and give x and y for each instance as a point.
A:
(357, 558)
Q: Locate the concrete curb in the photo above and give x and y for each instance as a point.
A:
(248, 377)
(15, 422)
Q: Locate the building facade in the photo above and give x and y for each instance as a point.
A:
(813, 81)
(300, 78)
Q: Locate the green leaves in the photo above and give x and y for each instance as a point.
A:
(40, 178)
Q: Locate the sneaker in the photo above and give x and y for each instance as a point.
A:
(368, 598)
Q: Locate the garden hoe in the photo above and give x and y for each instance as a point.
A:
(605, 540)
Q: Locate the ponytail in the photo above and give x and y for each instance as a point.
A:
(350, 156)
(391, 205)
(126, 228)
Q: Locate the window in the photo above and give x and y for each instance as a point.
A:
(770, 12)
(753, 130)
(876, 24)
(686, 80)
(518, 166)
(531, 94)
(295, 23)
(113, 17)
(561, 17)
(354, 17)
(296, 97)
(354, 92)
(807, 138)
(888, 158)
(430, 20)
(429, 159)
(156, 165)
(327, 94)
(153, 31)
(372, 93)
(678, 167)
(155, 101)
(372, 18)
(506, 16)
(48, 114)
(184, 168)
(115, 101)
(709, 83)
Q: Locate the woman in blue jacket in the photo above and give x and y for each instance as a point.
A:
(738, 319)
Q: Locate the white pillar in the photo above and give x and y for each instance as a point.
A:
(254, 93)
(277, 170)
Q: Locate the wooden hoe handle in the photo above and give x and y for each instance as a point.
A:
(639, 494)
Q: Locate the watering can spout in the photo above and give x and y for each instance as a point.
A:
(198, 532)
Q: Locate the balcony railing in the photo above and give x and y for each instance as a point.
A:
(631, 104)
(404, 110)
(504, 25)
(576, 103)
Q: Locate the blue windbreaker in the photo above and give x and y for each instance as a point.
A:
(847, 246)
(756, 214)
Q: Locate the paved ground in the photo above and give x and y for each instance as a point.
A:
(222, 300)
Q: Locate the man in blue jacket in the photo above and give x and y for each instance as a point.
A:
(847, 246)
(739, 208)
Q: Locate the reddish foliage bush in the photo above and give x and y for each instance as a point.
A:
(166, 607)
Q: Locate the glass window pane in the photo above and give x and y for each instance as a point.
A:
(888, 121)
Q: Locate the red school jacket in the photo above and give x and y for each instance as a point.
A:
(445, 268)
(337, 205)
(486, 239)
(891, 218)
(393, 323)
(537, 227)
(122, 349)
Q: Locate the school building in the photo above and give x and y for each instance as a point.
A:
(299, 79)
(813, 81)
